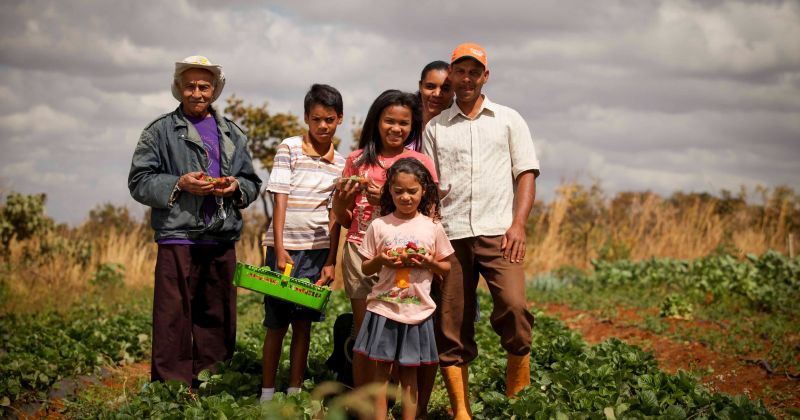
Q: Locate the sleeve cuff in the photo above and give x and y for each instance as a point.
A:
(173, 195)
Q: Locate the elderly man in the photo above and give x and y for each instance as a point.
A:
(485, 152)
(192, 168)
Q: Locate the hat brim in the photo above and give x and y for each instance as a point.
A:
(463, 56)
(215, 70)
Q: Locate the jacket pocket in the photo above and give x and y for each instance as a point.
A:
(182, 216)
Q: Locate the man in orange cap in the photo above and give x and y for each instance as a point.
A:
(485, 152)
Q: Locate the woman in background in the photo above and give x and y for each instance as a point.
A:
(434, 95)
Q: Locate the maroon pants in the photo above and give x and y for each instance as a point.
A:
(194, 310)
(455, 320)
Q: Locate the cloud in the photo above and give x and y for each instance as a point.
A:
(662, 95)
(736, 39)
(39, 119)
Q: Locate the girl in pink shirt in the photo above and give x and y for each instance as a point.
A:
(392, 122)
(406, 247)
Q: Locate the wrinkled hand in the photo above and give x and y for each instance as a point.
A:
(195, 183)
(227, 188)
(326, 276)
(513, 244)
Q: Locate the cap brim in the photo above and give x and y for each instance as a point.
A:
(469, 56)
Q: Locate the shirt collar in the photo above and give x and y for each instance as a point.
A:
(182, 121)
(308, 150)
(486, 105)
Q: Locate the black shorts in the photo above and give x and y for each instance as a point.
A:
(278, 313)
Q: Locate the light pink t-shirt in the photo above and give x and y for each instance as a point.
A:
(363, 211)
(412, 304)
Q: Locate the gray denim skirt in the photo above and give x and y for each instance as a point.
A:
(386, 340)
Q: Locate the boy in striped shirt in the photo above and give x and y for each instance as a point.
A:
(302, 232)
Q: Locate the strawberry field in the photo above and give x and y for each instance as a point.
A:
(754, 298)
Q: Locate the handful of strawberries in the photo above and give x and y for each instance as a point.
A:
(362, 181)
(219, 183)
(407, 253)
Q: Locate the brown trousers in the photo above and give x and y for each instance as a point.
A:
(194, 310)
(455, 320)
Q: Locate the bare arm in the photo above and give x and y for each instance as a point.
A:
(329, 268)
(374, 265)
(513, 244)
(278, 221)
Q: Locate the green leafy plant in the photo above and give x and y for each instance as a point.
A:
(22, 217)
(108, 275)
(570, 379)
(676, 306)
(38, 350)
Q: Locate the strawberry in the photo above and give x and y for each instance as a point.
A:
(411, 245)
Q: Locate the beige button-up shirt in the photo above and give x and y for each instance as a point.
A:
(480, 159)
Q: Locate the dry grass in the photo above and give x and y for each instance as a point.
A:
(39, 275)
(580, 224)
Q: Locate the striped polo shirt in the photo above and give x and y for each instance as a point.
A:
(308, 180)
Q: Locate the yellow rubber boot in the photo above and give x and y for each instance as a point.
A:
(456, 379)
(518, 373)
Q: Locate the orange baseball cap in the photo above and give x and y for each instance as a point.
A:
(469, 50)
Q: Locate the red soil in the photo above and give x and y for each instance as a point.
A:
(730, 374)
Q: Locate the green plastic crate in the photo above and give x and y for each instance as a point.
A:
(299, 291)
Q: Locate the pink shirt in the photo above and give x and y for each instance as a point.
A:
(363, 212)
(411, 303)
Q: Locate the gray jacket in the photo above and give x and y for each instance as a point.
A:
(169, 147)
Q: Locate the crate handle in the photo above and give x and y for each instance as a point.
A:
(287, 271)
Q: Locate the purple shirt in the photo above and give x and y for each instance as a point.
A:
(207, 128)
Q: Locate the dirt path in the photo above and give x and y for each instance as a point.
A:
(730, 374)
(112, 383)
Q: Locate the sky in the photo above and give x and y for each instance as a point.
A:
(639, 95)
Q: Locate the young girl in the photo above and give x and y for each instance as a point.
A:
(392, 122)
(406, 246)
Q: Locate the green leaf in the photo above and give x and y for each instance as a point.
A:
(648, 399)
(675, 412)
(621, 408)
(493, 397)
(204, 375)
